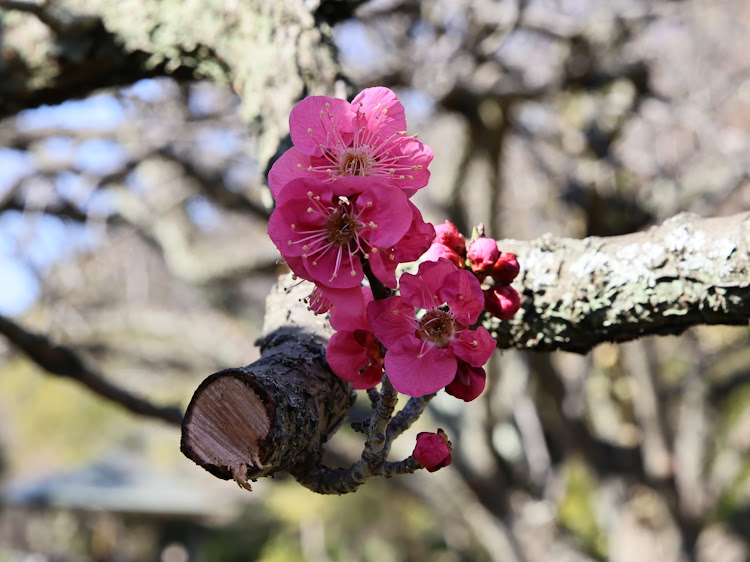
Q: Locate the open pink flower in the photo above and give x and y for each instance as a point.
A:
(433, 450)
(353, 352)
(323, 230)
(423, 348)
(367, 137)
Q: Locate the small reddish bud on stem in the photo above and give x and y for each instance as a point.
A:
(433, 450)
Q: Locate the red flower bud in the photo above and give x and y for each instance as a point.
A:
(483, 254)
(469, 382)
(433, 450)
(502, 301)
(506, 268)
(437, 251)
(448, 235)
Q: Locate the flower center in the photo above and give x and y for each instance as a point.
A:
(437, 327)
(342, 227)
(355, 163)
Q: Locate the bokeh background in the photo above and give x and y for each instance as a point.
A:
(132, 229)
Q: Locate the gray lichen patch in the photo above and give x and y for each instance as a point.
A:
(578, 293)
(628, 264)
(540, 269)
(270, 52)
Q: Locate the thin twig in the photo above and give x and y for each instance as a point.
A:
(64, 362)
(375, 447)
(404, 419)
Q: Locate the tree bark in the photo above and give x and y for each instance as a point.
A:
(272, 53)
(276, 414)
(577, 294)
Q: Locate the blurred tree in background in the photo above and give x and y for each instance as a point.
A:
(134, 144)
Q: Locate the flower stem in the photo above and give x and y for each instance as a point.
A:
(404, 419)
(375, 447)
(379, 291)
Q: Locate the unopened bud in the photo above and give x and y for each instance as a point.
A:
(433, 450)
(506, 268)
(469, 382)
(502, 301)
(483, 254)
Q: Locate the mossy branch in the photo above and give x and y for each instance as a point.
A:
(577, 294)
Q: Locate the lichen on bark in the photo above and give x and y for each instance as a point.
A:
(579, 293)
(272, 53)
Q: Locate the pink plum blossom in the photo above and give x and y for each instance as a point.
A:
(423, 348)
(353, 352)
(433, 450)
(324, 230)
(365, 138)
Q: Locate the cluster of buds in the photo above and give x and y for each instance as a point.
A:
(486, 261)
(344, 220)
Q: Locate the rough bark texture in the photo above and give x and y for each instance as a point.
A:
(272, 53)
(276, 414)
(577, 294)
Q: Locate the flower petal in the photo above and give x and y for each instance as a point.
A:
(474, 346)
(463, 294)
(383, 264)
(416, 370)
(349, 360)
(421, 290)
(381, 111)
(391, 319)
(410, 158)
(290, 166)
(349, 310)
(335, 268)
(290, 221)
(317, 122)
(417, 239)
(386, 211)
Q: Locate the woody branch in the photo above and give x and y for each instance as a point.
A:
(577, 294)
